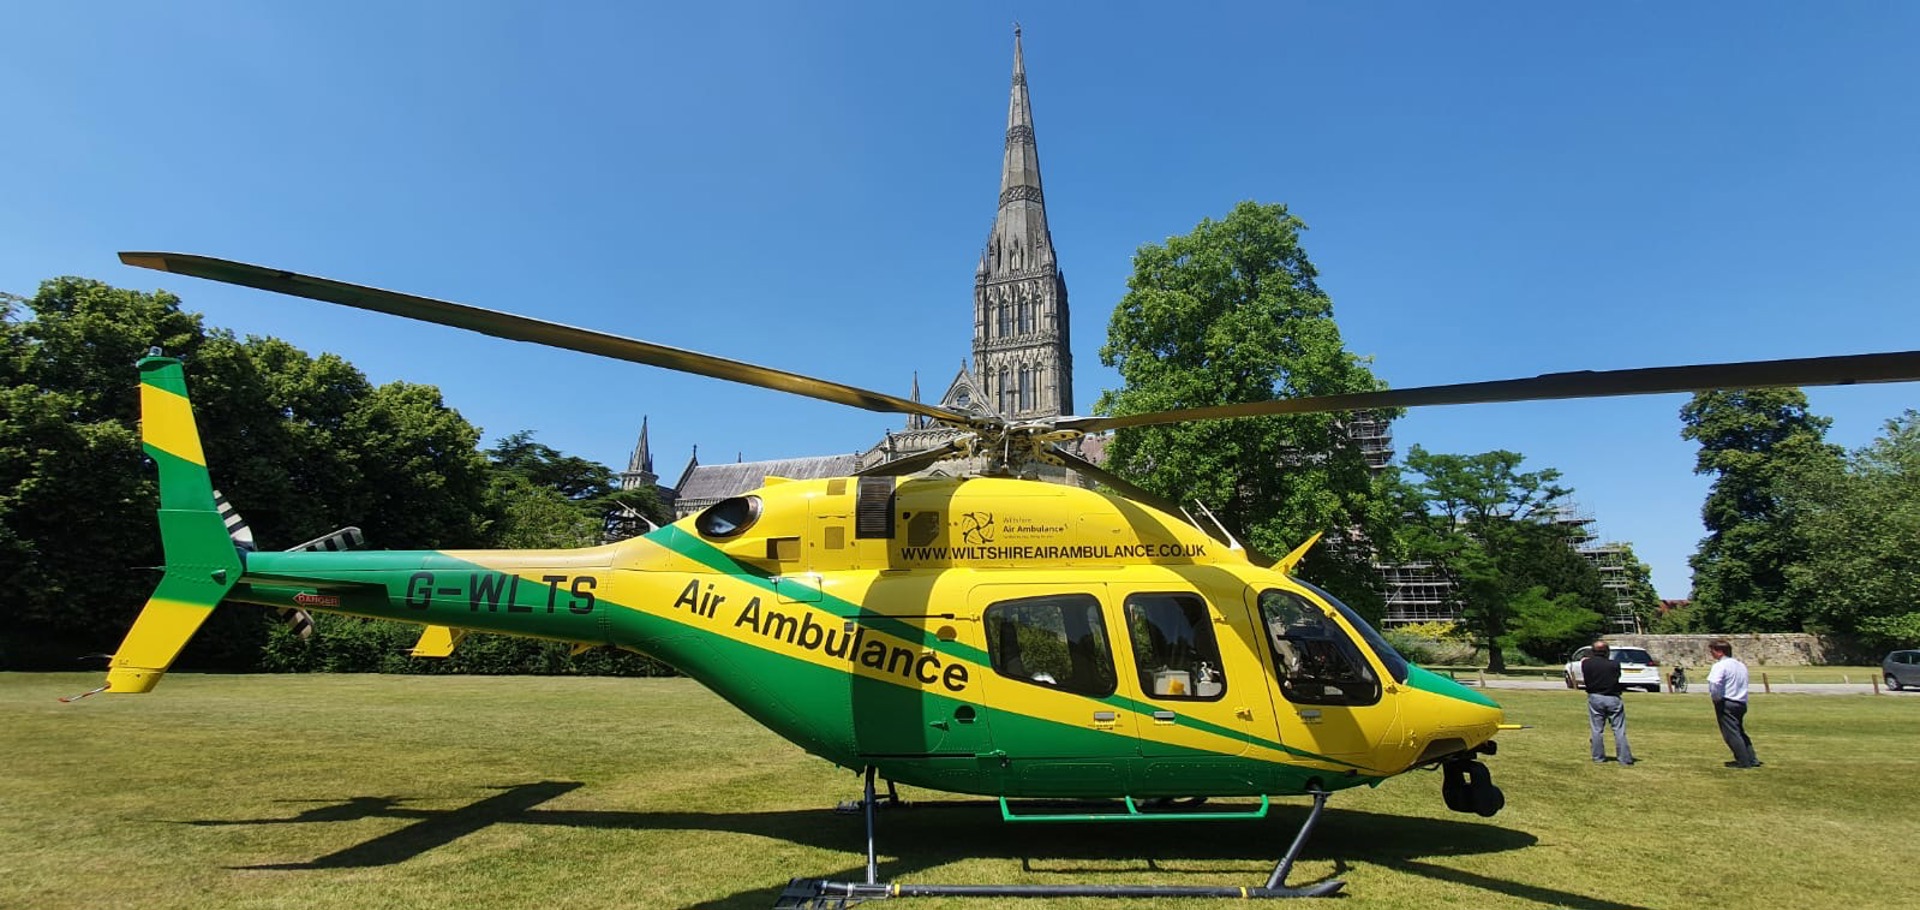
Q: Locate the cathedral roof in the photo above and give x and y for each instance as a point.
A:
(703, 482)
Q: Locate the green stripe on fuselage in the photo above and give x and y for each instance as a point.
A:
(692, 547)
(1428, 681)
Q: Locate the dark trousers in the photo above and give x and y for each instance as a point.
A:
(1733, 717)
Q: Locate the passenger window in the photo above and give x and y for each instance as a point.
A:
(1174, 647)
(1057, 641)
(1315, 661)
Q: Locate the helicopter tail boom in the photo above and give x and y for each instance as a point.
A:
(202, 564)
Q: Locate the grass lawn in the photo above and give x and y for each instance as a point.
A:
(315, 792)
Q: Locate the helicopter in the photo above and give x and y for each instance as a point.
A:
(985, 634)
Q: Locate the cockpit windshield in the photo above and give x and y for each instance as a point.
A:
(1396, 664)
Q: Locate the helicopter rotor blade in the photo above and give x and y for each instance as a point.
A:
(536, 331)
(1901, 366)
(914, 462)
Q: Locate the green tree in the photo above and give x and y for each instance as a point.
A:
(1751, 440)
(1555, 593)
(1491, 527)
(540, 497)
(76, 503)
(1232, 313)
(421, 480)
(302, 446)
(536, 517)
(1860, 522)
(541, 465)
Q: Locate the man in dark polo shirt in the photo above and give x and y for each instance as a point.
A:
(1600, 676)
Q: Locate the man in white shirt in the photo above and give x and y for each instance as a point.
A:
(1727, 686)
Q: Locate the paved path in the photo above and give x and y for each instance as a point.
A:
(1699, 688)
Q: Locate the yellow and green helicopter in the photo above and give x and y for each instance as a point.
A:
(984, 634)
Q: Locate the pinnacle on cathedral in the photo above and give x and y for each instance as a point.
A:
(639, 472)
(916, 421)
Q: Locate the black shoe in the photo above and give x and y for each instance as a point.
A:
(1735, 764)
(1628, 763)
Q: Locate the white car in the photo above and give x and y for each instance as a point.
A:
(1638, 669)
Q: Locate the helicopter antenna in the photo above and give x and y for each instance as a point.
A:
(1202, 528)
(1232, 542)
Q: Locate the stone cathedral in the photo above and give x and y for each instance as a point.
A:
(1022, 346)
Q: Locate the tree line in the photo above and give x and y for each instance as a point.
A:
(1801, 535)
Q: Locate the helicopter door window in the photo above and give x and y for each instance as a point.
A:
(1315, 661)
(1057, 641)
(1174, 647)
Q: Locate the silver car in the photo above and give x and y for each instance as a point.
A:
(1638, 669)
(1901, 669)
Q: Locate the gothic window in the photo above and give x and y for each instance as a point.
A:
(1026, 388)
(1006, 319)
(1006, 391)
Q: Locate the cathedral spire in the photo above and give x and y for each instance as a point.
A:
(916, 421)
(1021, 350)
(1020, 241)
(639, 473)
(642, 458)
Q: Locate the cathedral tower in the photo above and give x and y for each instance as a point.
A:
(1022, 355)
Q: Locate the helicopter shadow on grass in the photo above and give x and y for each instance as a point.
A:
(933, 834)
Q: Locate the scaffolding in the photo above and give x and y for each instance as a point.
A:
(1374, 434)
(1419, 592)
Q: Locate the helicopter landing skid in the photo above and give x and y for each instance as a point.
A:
(820, 894)
(857, 806)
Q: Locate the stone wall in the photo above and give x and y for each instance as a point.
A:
(1783, 649)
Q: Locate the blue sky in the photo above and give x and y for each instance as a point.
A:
(1494, 190)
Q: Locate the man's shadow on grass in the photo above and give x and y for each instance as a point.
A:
(932, 834)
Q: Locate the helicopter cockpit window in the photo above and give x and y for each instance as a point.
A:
(1174, 647)
(728, 517)
(1395, 662)
(1315, 661)
(1057, 641)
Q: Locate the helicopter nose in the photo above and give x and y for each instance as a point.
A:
(1457, 709)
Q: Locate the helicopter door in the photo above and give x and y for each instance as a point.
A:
(1203, 690)
(1327, 695)
(912, 689)
(1052, 689)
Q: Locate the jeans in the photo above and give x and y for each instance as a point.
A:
(1733, 716)
(1604, 710)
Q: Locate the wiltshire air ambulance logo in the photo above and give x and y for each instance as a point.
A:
(976, 527)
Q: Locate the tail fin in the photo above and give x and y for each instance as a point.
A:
(202, 564)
